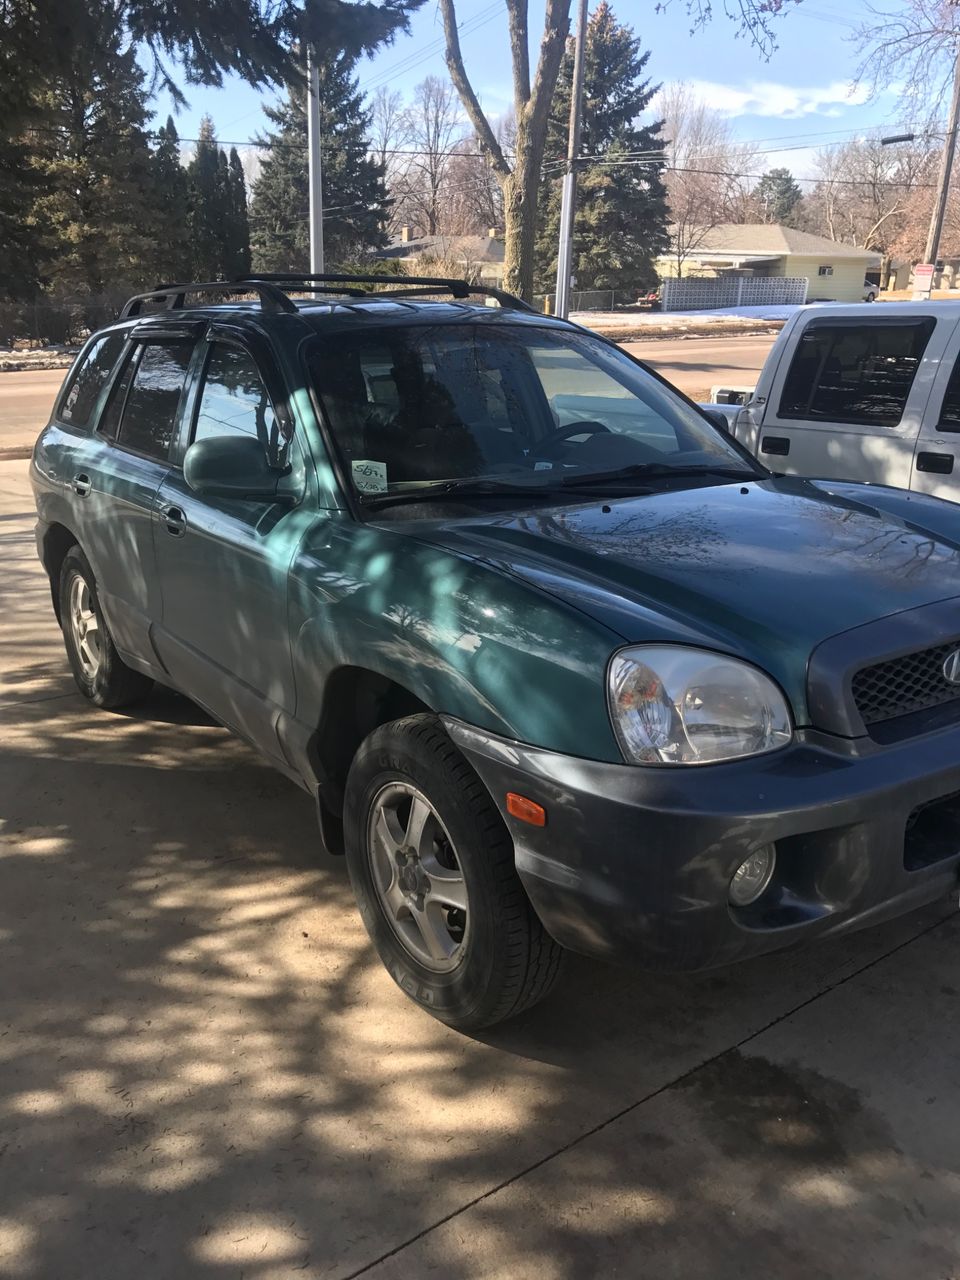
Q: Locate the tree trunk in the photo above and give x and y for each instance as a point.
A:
(520, 196)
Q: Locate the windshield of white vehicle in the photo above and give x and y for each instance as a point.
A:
(410, 408)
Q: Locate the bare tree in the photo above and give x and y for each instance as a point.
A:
(914, 45)
(518, 174)
(753, 18)
(473, 200)
(435, 132)
(868, 194)
(710, 175)
(389, 129)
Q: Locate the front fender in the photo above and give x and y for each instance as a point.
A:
(464, 638)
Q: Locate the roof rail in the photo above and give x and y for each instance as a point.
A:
(458, 288)
(271, 298)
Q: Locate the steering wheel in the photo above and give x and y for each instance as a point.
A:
(588, 427)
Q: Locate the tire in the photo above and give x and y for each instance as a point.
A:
(101, 674)
(871, 297)
(489, 961)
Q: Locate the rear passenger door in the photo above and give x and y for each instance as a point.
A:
(134, 434)
(849, 401)
(936, 463)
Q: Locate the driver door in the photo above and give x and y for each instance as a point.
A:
(223, 562)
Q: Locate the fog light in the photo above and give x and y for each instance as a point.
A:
(752, 876)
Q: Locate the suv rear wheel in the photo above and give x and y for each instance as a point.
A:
(432, 867)
(100, 673)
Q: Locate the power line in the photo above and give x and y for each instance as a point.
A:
(467, 27)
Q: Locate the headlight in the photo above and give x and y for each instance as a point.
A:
(672, 705)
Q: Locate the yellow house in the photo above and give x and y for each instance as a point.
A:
(834, 272)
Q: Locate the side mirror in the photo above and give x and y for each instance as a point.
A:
(234, 467)
(719, 420)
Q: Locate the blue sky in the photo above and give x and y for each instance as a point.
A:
(799, 100)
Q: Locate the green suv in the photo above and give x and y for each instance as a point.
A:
(561, 664)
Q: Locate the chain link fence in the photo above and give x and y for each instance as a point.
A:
(56, 321)
(589, 300)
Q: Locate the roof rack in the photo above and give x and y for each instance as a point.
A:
(271, 298)
(421, 286)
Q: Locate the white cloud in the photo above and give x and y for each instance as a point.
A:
(782, 101)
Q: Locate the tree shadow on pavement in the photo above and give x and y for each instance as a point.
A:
(205, 1072)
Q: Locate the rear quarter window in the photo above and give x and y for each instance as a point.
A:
(88, 379)
(858, 373)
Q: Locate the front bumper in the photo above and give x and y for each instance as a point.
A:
(634, 863)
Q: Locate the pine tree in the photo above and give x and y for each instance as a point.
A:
(237, 261)
(173, 258)
(622, 216)
(95, 167)
(206, 205)
(354, 192)
(778, 197)
(21, 240)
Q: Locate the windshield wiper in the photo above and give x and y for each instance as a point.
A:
(657, 471)
(465, 487)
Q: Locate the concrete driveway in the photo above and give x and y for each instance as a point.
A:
(204, 1072)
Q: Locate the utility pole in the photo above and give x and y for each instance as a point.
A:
(932, 251)
(315, 165)
(568, 207)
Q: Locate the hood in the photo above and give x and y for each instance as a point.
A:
(767, 569)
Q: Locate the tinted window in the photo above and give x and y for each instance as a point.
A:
(234, 400)
(410, 406)
(110, 418)
(89, 379)
(858, 373)
(150, 412)
(950, 413)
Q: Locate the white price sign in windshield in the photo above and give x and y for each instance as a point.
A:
(369, 477)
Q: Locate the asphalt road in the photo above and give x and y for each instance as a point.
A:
(206, 1075)
(694, 365)
(697, 364)
(26, 398)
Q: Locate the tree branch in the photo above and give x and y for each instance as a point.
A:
(458, 74)
(519, 52)
(556, 28)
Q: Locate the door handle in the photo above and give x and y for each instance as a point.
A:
(175, 522)
(81, 484)
(775, 444)
(940, 464)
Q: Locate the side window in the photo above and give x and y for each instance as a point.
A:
(110, 417)
(856, 373)
(950, 413)
(150, 412)
(234, 400)
(89, 379)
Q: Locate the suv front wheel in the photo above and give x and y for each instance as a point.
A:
(100, 672)
(432, 867)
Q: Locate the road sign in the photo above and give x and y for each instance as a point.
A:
(922, 281)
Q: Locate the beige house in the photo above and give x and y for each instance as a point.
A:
(834, 272)
(478, 258)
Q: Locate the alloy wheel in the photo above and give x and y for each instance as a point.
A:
(417, 876)
(85, 627)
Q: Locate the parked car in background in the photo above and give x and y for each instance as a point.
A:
(870, 290)
(561, 664)
(870, 396)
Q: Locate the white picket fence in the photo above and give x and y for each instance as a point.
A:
(695, 294)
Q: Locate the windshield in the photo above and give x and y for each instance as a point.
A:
(411, 408)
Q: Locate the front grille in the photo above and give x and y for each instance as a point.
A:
(900, 686)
